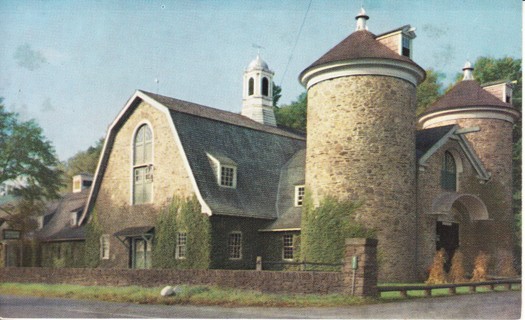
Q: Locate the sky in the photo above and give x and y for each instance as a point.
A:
(72, 65)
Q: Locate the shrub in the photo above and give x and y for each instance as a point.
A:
(437, 274)
(457, 270)
(480, 267)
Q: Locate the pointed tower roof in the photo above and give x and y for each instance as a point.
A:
(361, 45)
(468, 99)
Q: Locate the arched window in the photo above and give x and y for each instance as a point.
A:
(265, 86)
(250, 87)
(142, 165)
(449, 172)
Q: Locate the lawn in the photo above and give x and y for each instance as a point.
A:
(208, 295)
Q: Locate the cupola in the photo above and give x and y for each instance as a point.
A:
(467, 71)
(257, 101)
(361, 20)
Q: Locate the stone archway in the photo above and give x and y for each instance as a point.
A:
(449, 204)
(456, 217)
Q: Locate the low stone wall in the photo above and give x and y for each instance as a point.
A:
(264, 281)
(360, 280)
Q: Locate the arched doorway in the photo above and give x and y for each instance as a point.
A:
(453, 210)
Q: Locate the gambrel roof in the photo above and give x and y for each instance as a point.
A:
(259, 152)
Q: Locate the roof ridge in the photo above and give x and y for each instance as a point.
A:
(220, 115)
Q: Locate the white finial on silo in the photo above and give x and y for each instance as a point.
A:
(467, 71)
(361, 20)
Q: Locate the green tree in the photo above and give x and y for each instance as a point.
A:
(27, 155)
(82, 162)
(293, 115)
(276, 93)
(429, 90)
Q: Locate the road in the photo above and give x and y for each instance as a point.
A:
(497, 305)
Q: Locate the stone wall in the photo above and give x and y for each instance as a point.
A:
(361, 146)
(493, 145)
(362, 282)
(114, 208)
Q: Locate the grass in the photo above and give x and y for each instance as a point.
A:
(206, 295)
(196, 295)
(393, 295)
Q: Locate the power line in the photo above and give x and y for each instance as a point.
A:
(296, 41)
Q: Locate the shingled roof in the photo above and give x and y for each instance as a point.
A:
(467, 93)
(361, 44)
(427, 138)
(57, 226)
(258, 154)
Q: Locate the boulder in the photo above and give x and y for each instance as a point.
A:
(167, 291)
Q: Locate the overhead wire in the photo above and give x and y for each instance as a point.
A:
(296, 41)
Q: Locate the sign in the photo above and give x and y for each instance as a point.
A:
(11, 234)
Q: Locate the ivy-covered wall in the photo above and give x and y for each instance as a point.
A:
(92, 244)
(222, 226)
(325, 228)
(182, 215)
(63, 254)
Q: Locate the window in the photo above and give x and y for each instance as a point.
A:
(287, 247)
(104, 246)
(265, 86)
(74, 218)
(251, 83)
(299, 196)
(448, 172)
(235, 245)
(405, 46)
(143, 165)
(180, 252)
(228, 176)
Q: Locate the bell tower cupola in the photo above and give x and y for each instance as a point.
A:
(257, 97)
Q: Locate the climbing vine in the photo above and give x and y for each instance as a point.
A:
(182, 215)
(325, 228)
(92, 244)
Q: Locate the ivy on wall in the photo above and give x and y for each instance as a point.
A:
(92, 244)
(325, 228)
(182, 215)
(63, 254)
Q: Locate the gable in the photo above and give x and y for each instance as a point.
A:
(430, 141)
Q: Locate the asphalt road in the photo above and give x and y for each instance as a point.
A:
(498, 305)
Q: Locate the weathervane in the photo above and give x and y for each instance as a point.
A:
(258, 47)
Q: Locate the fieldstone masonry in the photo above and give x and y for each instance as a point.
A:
(361, 146)
(362, 282)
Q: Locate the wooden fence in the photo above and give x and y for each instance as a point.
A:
(403, 290)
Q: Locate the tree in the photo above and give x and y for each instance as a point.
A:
(429, 90)
(276, 93)
(82, 162)
(27, 155)
(294, 114)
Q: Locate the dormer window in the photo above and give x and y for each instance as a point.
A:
(228, 176)
(299, 196)
(225, 170)
(40, 222)
(405, 48)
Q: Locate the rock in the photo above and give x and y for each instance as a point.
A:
(178, 290)
(167, 291)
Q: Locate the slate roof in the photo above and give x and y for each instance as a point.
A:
(361, 44)
(467, 93)
(57, 218)
(427, 138)
(259, 152)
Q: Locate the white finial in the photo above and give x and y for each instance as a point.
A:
(361, 20)
(467, 71)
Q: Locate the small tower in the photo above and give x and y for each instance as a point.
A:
(361, 140)
(257, 97)
(487, 109)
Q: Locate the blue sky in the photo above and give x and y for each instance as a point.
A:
(72, 65)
